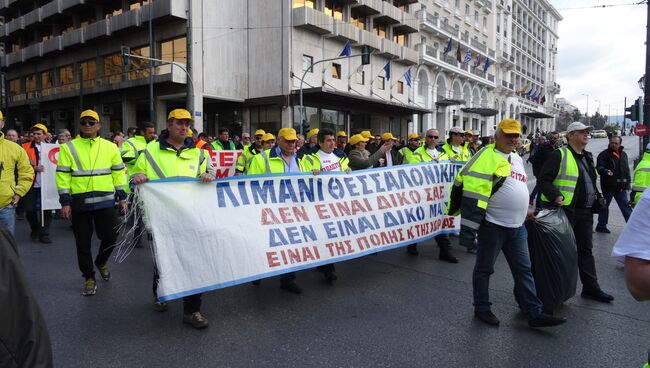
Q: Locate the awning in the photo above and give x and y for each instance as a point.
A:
(483, 111)
(536, 115)
(449, 102)
(334, 99)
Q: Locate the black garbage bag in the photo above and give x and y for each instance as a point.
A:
(553, 256)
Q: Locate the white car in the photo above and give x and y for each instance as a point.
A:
(599, 134)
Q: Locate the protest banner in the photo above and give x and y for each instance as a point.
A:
(49, 193)
(234, 230)
(223, 164)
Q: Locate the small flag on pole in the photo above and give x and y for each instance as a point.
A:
(449, 46)
(486, 65)
(387, 70)
(458, 56)
(347, 50)
(468, 57)
(478, 61)
(543, 99)
(408, 77)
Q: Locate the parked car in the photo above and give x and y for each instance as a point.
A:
(599, 134)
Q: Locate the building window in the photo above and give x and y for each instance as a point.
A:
(14, 87)
(382, 83)
(334, 9)
(399, 38)
(66, 75)
(301, 3)
(113, 68)
(400, 87)
(138, 4)
(88, 70)
(379, 29)
(357, 20)
(336, 71)
(30, 83)
(361, 77)
(484, 24)
(476, 18)
(268, 118)
(174, 50)
(47, 82)
(307, 62)
(139, 67)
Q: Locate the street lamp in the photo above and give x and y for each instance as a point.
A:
(587, 113)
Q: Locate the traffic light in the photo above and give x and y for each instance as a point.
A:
(126, 55)
(305, 127)
(632, 112)
(365, 55)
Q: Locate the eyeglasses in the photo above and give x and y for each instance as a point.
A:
(432, 137)
(88, 122)
(182, 122)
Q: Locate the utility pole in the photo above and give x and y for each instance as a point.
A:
(646, 89)
(152, 116)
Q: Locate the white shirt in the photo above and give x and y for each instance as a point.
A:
(37, 180)
(329, 161)
(389, 159)
(508, 207)
(635, 238)
(433, 153)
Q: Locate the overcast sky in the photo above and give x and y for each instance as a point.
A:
(601, 52)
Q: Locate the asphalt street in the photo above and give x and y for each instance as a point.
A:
(389, 310)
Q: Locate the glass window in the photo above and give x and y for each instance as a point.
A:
(174, 50)
(361, 77)
(399, 38)
(307, 62)
(357, 20)
(268, 118)
(30, 83)
(139, 68)
(332, 119)
(380, 30)
(400, 87)
(66, 75)
(47, 79)
(334, 9)
(113, 68)
(382, 83)
(14, 87)
(336, 71)
(88, 69)
(301, 3)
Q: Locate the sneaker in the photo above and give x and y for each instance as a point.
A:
(546, 320)
(104, 272)
(159, 306)
(45, 239)
(291, 287)
(487, 317)
(602, 230)
(195, 319)
(90, 287)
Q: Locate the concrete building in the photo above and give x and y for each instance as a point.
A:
(563, 105)
(458, 37)
(245, 58)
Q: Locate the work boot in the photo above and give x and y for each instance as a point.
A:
(487, 317)
(90, 287)
(196, 319)
(445, 255)
(104, 272)
(291, 287)
(412, 249)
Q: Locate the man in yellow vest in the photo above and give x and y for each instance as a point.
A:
(32, 201)
(89, 174)
(491, 194)
(429, 153)
(641, 177)
(412, 145)
(568, 179)
(280, 159)
(250, 151)
(454, 147)
(174, 155)
(223, 141)
(310, 144)
(16, 175)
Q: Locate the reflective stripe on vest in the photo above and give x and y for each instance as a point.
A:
(201, 159)
(266, 161)
(567, 177)
(136, 153)
(153, 164)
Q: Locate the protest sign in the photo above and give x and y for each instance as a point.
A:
(223, 163)
(234, 230)
(49, 193)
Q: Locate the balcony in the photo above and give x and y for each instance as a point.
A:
(69, 4)
(368, 7)
(32, 51)
(478, 45)
(408, 23)
(32, 17)
(125, 20)
(428, 21)
(488, 6)
(98, 29)
(164, 8)
(408, 56)
(426, 52)
(72, 38)
(51, 45)
(345, 31)
(51, 8)
(449, 29)
(370, 39)
(15, 24)
(14, 57)
(389, 13)
(312, 20)
(390, 48)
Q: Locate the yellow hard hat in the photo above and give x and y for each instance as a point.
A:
(180, 114)
(2, 117)
(312, 133)
(190, 133)
(510, 126)
(414, 136)
(341, 134)
(40, 126)
(387, 136)
(366, 134)
(358, 138)
(260, 132)
(268, 137)
(89, 114)
(288, 134)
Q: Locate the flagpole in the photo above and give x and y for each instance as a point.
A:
(302, 80)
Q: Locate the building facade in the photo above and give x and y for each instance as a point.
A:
(240, 63)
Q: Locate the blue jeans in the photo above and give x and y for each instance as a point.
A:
(622, 199)
(493, 239)
(8, 218)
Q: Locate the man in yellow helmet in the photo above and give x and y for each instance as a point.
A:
(175, 155)
(310, 145)
(250, 151)
(568, 179)
(89, 174)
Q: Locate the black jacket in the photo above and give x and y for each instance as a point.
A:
(620, 167)
(24, 341)
(552, 167)
(541, 155)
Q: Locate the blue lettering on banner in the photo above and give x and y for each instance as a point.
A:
(435, 209)
(335, 188)
(287, 192)
(263, 193)
(351, 186)
(292, 235)
(378, 187)
(223, 189)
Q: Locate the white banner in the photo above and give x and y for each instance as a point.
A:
(49, 193)
(223, 164)
(234, 230)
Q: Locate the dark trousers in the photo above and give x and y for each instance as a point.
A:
(288, 278)
(442, 240)
(622, 199)
(582, 222)
(32, 203)
(467, 237)
(191, 303)
(105, 222)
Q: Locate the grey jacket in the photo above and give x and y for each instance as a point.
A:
(360, 160)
